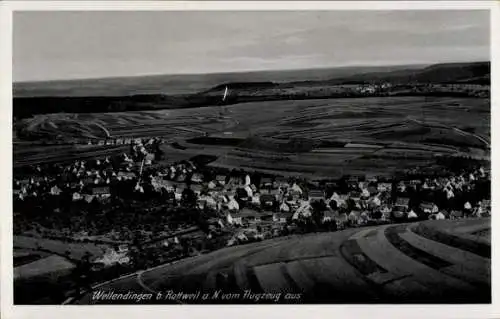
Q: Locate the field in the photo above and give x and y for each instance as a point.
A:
(76, 250)
(427, 262)
(309, 137)
(44, 266)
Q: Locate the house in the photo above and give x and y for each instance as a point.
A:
(402, 204)
(178, 193)
(305, 209)
(208, 201)
(284, 207)
(415, 182)
(88, 180)
(354, 216)
(329, 216)
(352, 184)
(282, 217)
(126, 175)
(123, 248)
(331, 185)
(101, 191)
(384, 187)
(112, 257)
(149, 158)
(159, 183)
(276, 193)
(55, 190)
(295, 191)
(255, 200)
(249, 216)
(372, 190)
(24, 182)
(316, 195)
(267, 200)
(233, 204)
(212, 185)
(266, 182)
(401, 187)
(341, 200)
(365, 193)
(282, 182)
(412, 215)
(429, 208)
(486, 203)
(197, 178)
(234, 181)
(197, 189)
(221, 179)
(355, 196)
(456, 214)
(234, 219)
(363, 185)
(76, 196)
(249, 191)
(374, 202)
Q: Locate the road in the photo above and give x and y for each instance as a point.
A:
(425, 262)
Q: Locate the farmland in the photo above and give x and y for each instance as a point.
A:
(74, 251)
(309, 137)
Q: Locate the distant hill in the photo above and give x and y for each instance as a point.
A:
(148, 93)
(184, 84)
(477, 72)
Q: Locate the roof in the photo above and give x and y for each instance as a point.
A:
(316, 193)
(245, 212)
(402, 201)
(284, 215)
(196, 188)
(331, 214)
(486, 202)
(126, 174)
(355, 194)
(354, 178)
(274, 192)
(197, 176)
(457, 213)
(426, 205)
(100, 190)
(267, 197)
(384, 184)
(266, 180)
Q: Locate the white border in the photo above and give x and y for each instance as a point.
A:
(320, 311)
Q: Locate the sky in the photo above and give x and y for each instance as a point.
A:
(89, 44)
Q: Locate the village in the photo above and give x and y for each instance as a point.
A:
(132, 202)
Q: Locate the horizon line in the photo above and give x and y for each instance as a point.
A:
(424, 64)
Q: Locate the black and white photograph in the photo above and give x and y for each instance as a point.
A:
(251, 157)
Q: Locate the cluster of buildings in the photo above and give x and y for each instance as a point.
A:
(85, 180)
(256, 206)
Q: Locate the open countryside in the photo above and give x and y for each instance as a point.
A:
(250, 187)
(337, 136)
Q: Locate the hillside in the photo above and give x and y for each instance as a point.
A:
(183, 83)
(248, 90)
(477, 72)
